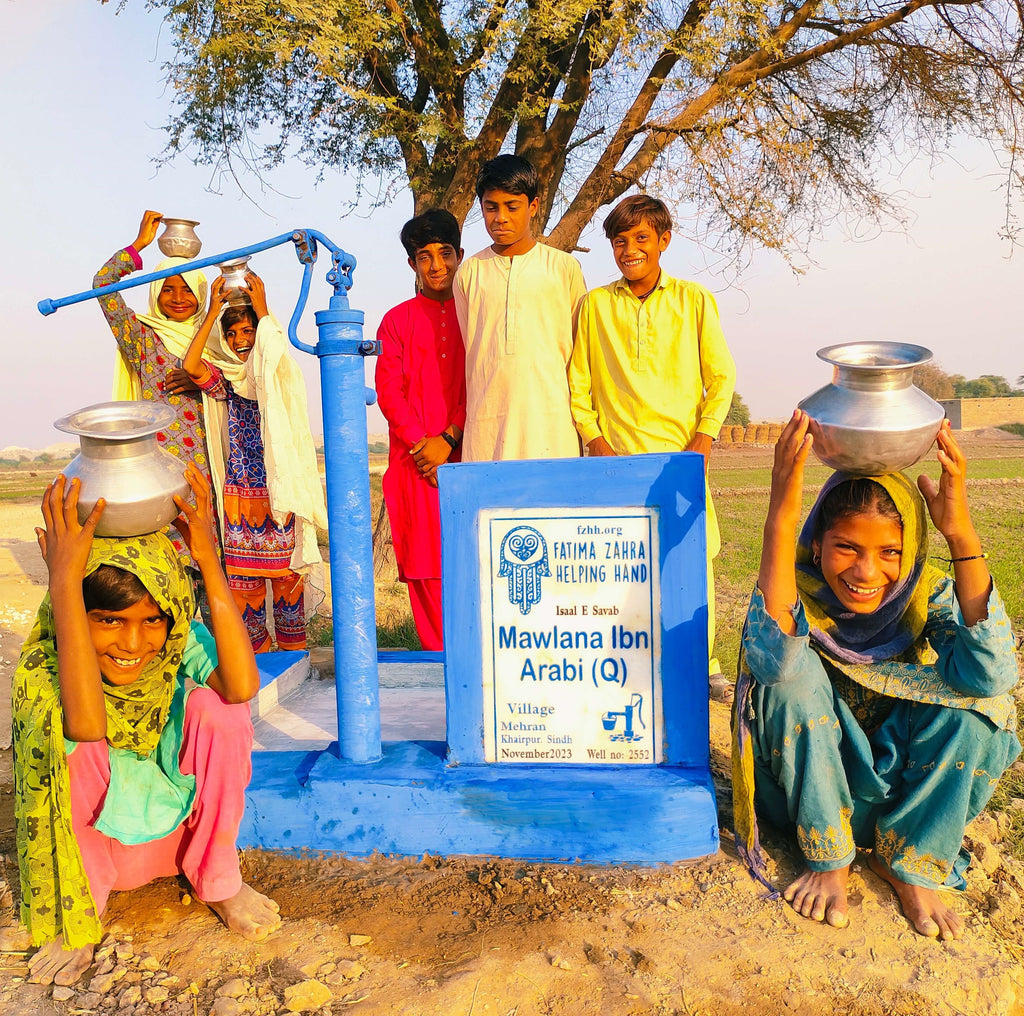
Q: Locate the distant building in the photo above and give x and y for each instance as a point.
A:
(973, 414)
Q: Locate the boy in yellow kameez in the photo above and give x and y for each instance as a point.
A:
(650, 370)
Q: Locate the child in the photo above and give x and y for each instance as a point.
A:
(151, 345)
(650, 370)
(421, 387)
(517, 302)
(845, 727)
(122, 774)
(269, 484)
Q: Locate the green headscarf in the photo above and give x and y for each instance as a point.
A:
(56, 899)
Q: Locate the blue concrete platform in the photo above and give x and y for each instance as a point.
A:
(411, 801)
(281, 673)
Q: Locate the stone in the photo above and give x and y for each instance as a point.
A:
(1007, 905)
(156, 994)
(148, 962)
(102, 983)
(235, 988)
(987, 856)
(90, 1000)
(559, 961)
(124, 951)
(306, 996)
(63, 994)
(357, 940)
(348, 970)
(985, 827)
(225, 1006)
(14, 938)
(131, 995)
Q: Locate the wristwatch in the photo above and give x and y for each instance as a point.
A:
(452, 442)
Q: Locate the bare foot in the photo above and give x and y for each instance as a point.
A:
(53, 964)
(923, 907)
(251, 914)
(821, 896)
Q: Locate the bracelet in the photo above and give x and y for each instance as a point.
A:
(972, 557)
(453, 443)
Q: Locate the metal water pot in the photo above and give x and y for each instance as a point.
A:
(236, 289)
(121, 461)
(179, 240)
(872, 419)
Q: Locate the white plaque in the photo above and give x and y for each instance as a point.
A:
(571, 647)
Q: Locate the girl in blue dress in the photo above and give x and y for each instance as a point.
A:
(873, 700)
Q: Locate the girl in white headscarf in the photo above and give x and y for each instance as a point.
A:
(264, 465)
(151, 345)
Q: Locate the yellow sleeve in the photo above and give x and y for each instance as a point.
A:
(581, 397)
(717, 369)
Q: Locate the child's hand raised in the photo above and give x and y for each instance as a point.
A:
(65, 543)
(196, 523)
(218, 298)
(147, 230)
(791, 451)
(257, 293)
(947, 502)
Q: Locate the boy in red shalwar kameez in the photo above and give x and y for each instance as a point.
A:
(421, 388)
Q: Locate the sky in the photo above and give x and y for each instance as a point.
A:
(84, 104)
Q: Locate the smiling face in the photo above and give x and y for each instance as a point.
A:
(127, 640)
(507, 218)
(638, 254)
(435, 266)
(176, 300)
(241, 336)
(860, 559)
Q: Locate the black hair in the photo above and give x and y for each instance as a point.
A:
(434, 226)
(631, 211)
(510, 173)
(857, 496)
(112, 588)
(233, 315)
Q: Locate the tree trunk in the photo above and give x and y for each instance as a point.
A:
(385, 566)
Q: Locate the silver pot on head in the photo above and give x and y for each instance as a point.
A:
(872, 419)
(121, 461)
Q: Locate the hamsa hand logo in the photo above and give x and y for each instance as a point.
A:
(523, 561)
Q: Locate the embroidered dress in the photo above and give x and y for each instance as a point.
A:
(115, 813)
(887, 730)
(148, 360)
(421, 388)
(256, 547)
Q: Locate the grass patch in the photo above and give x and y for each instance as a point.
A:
(1013, 428)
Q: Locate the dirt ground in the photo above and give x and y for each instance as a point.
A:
(469, 936)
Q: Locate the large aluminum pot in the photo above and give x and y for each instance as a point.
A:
(872, 419)
(179, 239)
(121, 461)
